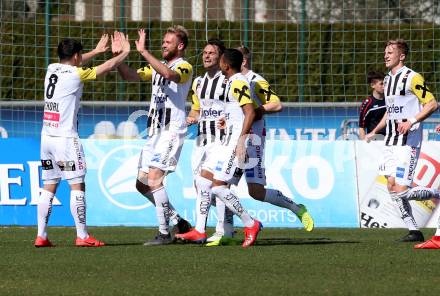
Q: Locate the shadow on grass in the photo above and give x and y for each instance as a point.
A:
(124, 244)
(305, 241)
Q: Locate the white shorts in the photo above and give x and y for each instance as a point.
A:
(226, 166)
(206, 157)
(161, 151)
(255, 171)
(399, 162)
(62, 158)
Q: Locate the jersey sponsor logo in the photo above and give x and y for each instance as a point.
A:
(79, 154)
(66, 166)
(400, 172)
(156, 157)
(183, 70)
(243, 92)
(412, 163)
(423, 88)
(46, 164)
(394, 109)
(230, 163)
(117, 175)
(51, 116)
(211, 112)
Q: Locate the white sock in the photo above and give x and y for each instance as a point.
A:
(233, 203)
(225, 219)
(278, 199)
(172, 213)
(162, 209)
(44, 208)
(405, 209)
(423, 193)
(78, 210)
(203, 202)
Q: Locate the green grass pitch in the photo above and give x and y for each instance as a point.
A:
(284, 262)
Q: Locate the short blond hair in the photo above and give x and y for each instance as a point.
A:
(400, 44)
(181, 33)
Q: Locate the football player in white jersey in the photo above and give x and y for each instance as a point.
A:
(268, 102)
(208, 96)
(171, 81)
(230, 156)
(62, 155)
(408, 102)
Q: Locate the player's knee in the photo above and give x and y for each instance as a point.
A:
(256, 192)
(202, 182)
(141, 187)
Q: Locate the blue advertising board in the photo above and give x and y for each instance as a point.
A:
(320, 175)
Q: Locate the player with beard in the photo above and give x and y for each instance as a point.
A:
(166, 124)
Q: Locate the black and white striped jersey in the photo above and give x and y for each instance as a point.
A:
(208, 99)
(405, 95)
(167, 107)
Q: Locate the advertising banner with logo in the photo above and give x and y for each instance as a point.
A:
(376, 207)
(320, 175)
(20, 183)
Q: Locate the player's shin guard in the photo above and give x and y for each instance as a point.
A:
(203, 202)
(78, 210)
(162, 209)
(278, 199)
(423, 193)
(402, 203)
(44, 209)
(233, 203)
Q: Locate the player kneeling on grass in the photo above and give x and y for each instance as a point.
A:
(62, 155)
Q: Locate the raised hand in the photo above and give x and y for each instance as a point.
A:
(125, 43)
(140, 43)
(116, 42)
(102, 46)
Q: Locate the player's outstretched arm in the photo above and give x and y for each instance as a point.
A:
(124, 70)
(101, 47)
(382, 124)
(157, 65)
(116, 60)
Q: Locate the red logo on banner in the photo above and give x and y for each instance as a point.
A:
(427, 171)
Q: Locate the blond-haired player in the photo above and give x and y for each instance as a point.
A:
(408, 102)
(166, 124)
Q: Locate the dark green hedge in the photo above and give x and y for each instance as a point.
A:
(336, 56)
